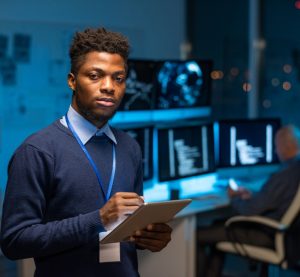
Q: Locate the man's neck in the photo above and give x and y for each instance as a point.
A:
(98, 123)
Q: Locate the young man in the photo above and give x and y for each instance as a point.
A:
(78, 177)
(271, 201)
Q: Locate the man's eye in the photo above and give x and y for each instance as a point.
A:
(120, 79)
(93, 76)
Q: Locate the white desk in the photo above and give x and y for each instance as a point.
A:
(178, 259)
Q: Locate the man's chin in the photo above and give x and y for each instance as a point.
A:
(105, 116)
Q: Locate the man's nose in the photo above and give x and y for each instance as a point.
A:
(107, 85)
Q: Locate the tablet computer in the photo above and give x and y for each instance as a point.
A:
(154, 212)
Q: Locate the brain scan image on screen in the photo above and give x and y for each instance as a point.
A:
(139, 86)
(180, 84)
(137, 91)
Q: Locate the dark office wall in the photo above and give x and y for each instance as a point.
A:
(219, 30)
(281, 88)
(210, 23)
(156, 27)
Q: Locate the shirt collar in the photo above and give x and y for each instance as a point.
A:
(85, 129)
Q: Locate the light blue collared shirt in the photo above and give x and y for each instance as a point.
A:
(85, 129)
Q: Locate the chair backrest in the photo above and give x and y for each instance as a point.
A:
(293, 209)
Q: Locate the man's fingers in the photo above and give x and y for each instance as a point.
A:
(127, 199)
(159, 227)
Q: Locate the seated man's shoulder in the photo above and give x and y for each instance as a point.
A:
(292, 167)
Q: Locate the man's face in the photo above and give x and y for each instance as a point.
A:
(99, 86)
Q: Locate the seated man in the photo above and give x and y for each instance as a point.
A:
(271, 201)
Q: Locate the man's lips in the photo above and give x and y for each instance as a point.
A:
(107, 102)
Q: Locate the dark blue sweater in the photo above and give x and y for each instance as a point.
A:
(52, 201)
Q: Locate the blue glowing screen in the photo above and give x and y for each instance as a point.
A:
(185, 151)
(183, 84)
(246, 142)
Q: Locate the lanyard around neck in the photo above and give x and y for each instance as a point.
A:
(113, 170)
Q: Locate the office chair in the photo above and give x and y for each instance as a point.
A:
(283, 228)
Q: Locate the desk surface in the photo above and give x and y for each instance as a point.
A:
(213, 197)
(205, 203)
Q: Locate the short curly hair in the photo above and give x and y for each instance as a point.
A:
(100, 40)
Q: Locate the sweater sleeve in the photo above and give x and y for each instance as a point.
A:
(24, 231)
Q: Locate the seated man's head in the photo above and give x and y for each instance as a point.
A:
(287, 142)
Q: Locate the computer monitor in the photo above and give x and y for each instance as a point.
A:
(245, 142)
(144, 137)
(140, 84)
(185, 151)
(183, 84)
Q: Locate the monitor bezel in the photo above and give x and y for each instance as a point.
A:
(152, 100)
(151, 150)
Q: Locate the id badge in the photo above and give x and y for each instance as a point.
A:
(109, 252)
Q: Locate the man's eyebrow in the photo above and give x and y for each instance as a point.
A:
(120, 72)
(102, 70)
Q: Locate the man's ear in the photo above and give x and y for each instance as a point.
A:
(71, 81)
